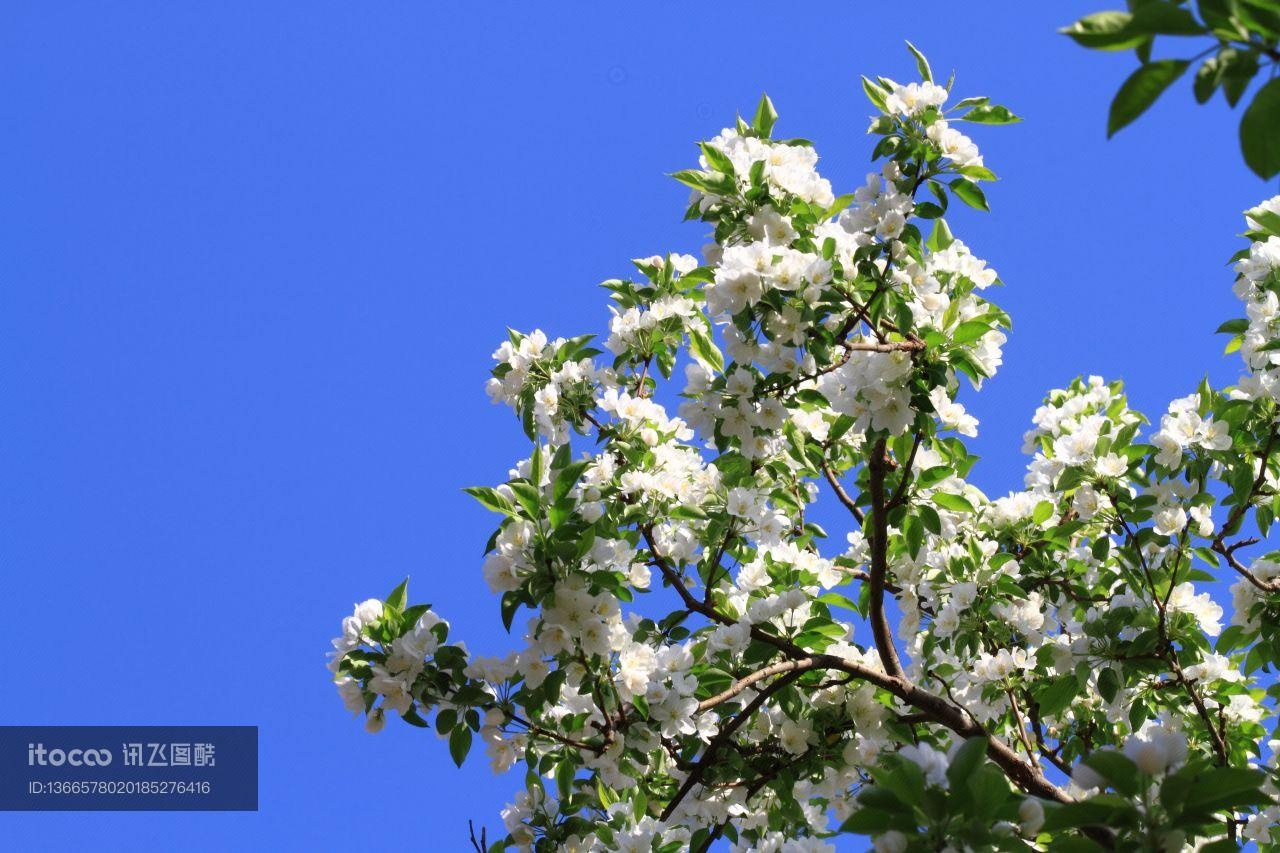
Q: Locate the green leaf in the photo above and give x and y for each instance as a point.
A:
(993, 114)
(460, 744)
(1260, 131)
(717, 159)
(399, 596)
(940, 238)
(1105, 31)
(1206, 81)
(1269, 222)
(766, 117)
(691, 178)
(978, 173)
(490, 499)
(990, 790)
(1117, 769)
(565, 772)
(1141, 90)
(1225, 787)
(1239, 67)
(922, 64)
(704, 350)
(914, 530)
(529, 496)
(968, 192)
(1057, 696)
(1108, 684)
(1163, 18)
(966, 760)
(867, 821)
(511, 602)
(875, 93)
(535, 466)
(969, 331)
(568, 477)
(835, 599)
(412, 717)
(952, 502)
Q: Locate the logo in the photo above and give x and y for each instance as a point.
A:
(38, 755)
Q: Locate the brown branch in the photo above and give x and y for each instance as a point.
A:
(723, 736)
(880, 630)
(1018, 725)
(1028, 777)
(899, 494)
(1052, 754)
(712, 580)
(535, 729)
(848, 502)
(1168, 653)
(1237, 512)
(641, 384)
(481, 844)
(890, 346)
(1228, 552)
(759, 675)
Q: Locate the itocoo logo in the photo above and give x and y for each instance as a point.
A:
(38, 755)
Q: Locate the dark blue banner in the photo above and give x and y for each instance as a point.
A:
(128, 768)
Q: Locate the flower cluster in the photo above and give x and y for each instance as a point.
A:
(549, 383)
(392, 658)
(696, 661)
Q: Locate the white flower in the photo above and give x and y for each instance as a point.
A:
(635, 666)
(1156, 749)
(375, 722)
(914, 98)
(1111, 465)
(1214, 667)
(352, 695)
(952, 414)
(954, 145)
(1205, 610)
(1030, 816)
(931, 761)
(890, 842)
(795, 736)
(1202, 515)
(1087, 778)
(1169, 521)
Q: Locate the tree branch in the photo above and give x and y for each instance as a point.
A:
(725, 733)
(759, 675)
(848, 502)
(880, 630)
(1028, 777)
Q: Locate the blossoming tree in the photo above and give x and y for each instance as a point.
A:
(698, 664)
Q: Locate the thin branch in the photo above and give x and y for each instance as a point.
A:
(848, 502)
(481, 844)
(1229, 554)
(880, 630)
(723, 736)
(899, 494)
(759, 675)
(1018, 725)
(535, 729)
(1237, 512)
(890, 346)
(1028, 777)
(1168, 653)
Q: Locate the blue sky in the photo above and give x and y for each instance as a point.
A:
(254, 257)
